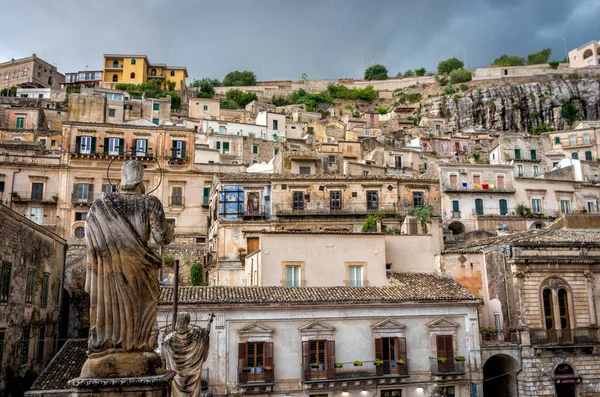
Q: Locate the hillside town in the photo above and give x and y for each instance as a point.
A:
(433, 233)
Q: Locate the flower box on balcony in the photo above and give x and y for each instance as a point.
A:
(358, 363)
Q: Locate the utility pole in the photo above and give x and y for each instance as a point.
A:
(566, 52)
(464, 59)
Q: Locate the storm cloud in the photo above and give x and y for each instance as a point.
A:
(326, 39)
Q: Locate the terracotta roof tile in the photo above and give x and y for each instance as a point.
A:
(405, 287)
(65, 365)
(232, 177)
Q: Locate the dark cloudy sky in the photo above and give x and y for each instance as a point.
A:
(281, 39)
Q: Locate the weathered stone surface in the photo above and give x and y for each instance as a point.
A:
(148, 386)
(185, 351)
(122, 276)
(123, 365)
(519, 107)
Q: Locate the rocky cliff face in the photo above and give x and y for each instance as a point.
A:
(519, 107)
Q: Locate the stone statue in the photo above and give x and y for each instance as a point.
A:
(185, 350)
(122, 279)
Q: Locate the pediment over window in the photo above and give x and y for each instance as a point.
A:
(256, 331)
(388, 325)
(317, 330)
(443, 322)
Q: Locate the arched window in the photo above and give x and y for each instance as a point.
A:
(115, 77)
(548, 310)
(133, 61)
(563, 306)
(172, 73)
(132, 75)
(153, 72)
(556, 310)
(115, 64)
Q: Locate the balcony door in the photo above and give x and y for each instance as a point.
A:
(391, 350)
(445, 350)
(255, 361)
(252, 204)
(318, 359)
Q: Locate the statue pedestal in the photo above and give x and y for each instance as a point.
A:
(146, 386)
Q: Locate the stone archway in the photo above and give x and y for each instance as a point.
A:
(457, 227)
(565, 380)
(500, 376)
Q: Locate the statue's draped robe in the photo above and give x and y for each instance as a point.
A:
(185, 353)
(122, 272)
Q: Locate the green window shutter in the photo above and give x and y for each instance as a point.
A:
(455, 206)
(533, 155)
(557, 141)
(225, 146)
(20, 123)
(218, 145)
(156, 106)
(517, 154)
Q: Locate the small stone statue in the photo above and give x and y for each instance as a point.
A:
(122, 279)
(185, 350)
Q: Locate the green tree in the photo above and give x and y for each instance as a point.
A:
(539, 57)
(304, 76)
(376, 72)
(196, 273)
(206, 87)
(570, 113)
(508, 60)
(237, 78)
(420, 71)
(450, 64)
(280, 101)
(408, 73)
(460, 76)
(544, 127)
(227, 104)
(381, 110)
(449, 90)
(239, 97)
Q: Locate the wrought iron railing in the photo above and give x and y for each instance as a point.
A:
(563, 336)
(355, 370)
(254, 376)
(447, 366)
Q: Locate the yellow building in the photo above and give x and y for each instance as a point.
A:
(137, 69)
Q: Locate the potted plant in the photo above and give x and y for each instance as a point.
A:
(459, 358)
(378, 362)
(55, 197)
(442, 360)
(246, 369)
(400, 362)
(339, 365)
(315, 365)
(268, 368)
(358, 363)
(15, 195)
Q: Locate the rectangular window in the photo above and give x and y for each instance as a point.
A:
(557, 141)
(141, 147)
(588, 155)
(519, 170)
(1, 186)
(335, 200)
(533, 154)
(331, 159)
(80, 216)
(225, 147)
(156, 106)
(155, 121)
(275, 151)
(292, 276)
(477, 179)
(304, 170)
(575, 156)
(176, 195)
(30, 287)
(205, 195)
(114, 146)
(398, 161)
(20, 123)
(5, 282)
(565, 206)
(178, 149)
(222, 129)
(2, 336)
(372, 200)
(391, 393)
(356, 276)
(45, 286)
(297, 201)
(25, 344)
(517, 154)
(318, 352)
(536, 170)
(83, 190)
(453, 181)
(205, 107)
(112, 112)
(536, 206)
(455, 208)
(41, 343)
(85, 145)
(254, 149)
(418, 199)
(275, 124)
(37, 191)
(586, 139)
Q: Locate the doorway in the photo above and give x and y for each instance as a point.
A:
(565, 380)
(500, 376)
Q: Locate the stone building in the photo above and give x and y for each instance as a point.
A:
(525, 153)
(243, 206)
(540, 311)
(30, 72)
(384, 341)
(582, 144)
(31, 285)
(137, 69)
(476, 196)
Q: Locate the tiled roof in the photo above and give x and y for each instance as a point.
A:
(292, 177)
(407, 287)
(342, 232)
(571, 237)
(65, 365)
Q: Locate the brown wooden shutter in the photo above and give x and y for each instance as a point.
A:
(91, 193)
(306, 353)
(444, 346)
(252, 243)
(379, 348)
(268, 354)
(401, 348)
(242, 355)
(330, 359)
(74, 193)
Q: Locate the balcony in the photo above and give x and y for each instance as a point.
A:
(456, 214)
(564, 336)
(450, 366)
(492, 336)
(112, 67)
(495, 211)
(251, 213)
(352, 371)
(469, 188)
(26, 197)
(324, 209)
(306, 155)
(256, 376)
(579, 142)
